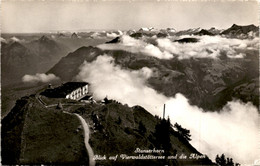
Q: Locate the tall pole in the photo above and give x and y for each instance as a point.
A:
(163, 111)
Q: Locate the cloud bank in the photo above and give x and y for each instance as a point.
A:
(130, 44)
(233, 131)
(122, 85)
(166, 48)
(208, 47)
(39, 77)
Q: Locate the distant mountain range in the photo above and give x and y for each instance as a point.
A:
(41, 55)
(19, 58)
(208, 83)
(235, 31)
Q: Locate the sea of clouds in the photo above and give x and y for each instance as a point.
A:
(209, 47)
(233, 131)
(133, 45)
(168, 48)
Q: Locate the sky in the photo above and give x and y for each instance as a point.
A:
(27, 16)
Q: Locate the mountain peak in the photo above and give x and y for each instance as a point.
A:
(240, 29)
(74, 36)
(44, 38)
(16, 44)
(171, 30)
(115, 40)
(204, 32)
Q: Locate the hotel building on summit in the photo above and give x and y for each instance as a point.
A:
(69, 90)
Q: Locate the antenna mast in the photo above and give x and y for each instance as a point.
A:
(164, 111)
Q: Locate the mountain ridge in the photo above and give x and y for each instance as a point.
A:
(110, 125)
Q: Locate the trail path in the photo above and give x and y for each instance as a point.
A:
(86, 139)
(85, 128)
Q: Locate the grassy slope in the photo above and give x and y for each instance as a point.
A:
(123, 136)
(11, 93)
(11, 130)
(45, 136)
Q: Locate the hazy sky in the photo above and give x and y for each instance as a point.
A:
(42, 16)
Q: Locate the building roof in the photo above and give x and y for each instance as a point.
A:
(88, 96)
(63, 90)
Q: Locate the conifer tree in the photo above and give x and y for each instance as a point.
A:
(217, 159)
(184, 133)
(141, 128)
(162, 135)
(222, 160)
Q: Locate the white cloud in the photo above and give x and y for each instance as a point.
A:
(107, 79)
(95, 35)
(39, 77)
(130, 44)
(112, 35)
(14, 39)
(166, 48)
(120, 32)
(208, 47)
(152, 50)
(3, 40)
(233, 131)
